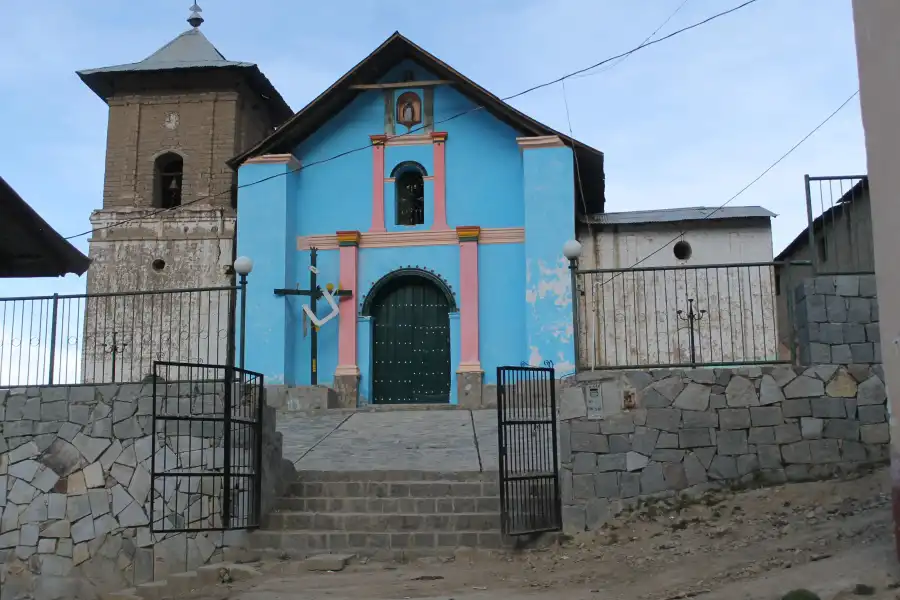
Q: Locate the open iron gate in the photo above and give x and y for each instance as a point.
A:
(529, 467)
(206, 458)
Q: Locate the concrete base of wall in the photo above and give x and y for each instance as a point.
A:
(347, 390)
(302, 398)
(469, 386)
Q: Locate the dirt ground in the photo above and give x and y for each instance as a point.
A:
(833, 538)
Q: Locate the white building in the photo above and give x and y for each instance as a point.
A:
(645, 268)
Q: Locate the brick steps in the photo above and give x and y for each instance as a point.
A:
(474, 504)
(367, 544)
(375, 523)
(390, 514)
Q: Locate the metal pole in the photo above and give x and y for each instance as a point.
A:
(52, 365)
(243, 285)
(811, 234)
(691, 330)
(573, 268)
(314, 334)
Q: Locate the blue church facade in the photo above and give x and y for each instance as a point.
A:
(436, 215)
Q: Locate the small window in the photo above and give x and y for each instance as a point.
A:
(682, 250)
(409, 186)
(168, 179)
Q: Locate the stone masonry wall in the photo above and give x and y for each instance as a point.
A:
(75, 487)
(836, 320)
(624, 435)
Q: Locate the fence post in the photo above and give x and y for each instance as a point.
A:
(226, 425)
(52, 366)
(573, 273)
(243, 285)
(811, 234)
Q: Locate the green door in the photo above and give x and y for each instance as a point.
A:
(411, 351)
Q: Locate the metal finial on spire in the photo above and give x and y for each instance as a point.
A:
(195, 19)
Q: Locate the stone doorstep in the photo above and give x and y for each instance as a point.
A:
(395, 476)
(371, 408)
(181, 584)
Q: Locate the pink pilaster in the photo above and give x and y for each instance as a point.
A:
(378, 142)
(468, 298)
(348, 242)
(439, 140)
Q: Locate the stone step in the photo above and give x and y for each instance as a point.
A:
(456, 504)
(299, 544)
(377, 523)
(308, 476)
(393, 489)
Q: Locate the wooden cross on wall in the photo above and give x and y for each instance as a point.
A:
(314, 292)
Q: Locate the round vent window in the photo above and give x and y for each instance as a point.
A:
(682, 250)
(158, 265)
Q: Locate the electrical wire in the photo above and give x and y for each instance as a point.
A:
(743, 189)
(231, 189)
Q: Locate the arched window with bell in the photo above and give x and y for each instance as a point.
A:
(168, 178)
(409, 110)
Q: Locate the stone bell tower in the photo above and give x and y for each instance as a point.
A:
(168, 214)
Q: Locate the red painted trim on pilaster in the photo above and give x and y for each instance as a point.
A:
(440, 181)
(469, 359)
(347, 340)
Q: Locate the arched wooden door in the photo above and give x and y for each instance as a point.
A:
(411, 342)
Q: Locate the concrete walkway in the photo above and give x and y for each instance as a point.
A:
(426, 440)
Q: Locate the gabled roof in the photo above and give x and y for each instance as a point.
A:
(828, 217)
(189, 51)
(29, 247)
(680, 215)
(372, 68)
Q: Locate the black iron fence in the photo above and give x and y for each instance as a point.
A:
(207, 423)
(114, 337)
(530, 500)
(711, 315)
(839, 234)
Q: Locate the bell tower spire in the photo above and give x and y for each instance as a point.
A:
(195, 20)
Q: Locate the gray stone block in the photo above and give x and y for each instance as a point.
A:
(694, 470)
(572, 404)
(589, 442)
(619, 443)
(606, 485)
(664, 419)
(705, 456)
(853, 451)
(617, 424)
(769, 456)
(875, 434)
(596, 513)
(811, 427)
(796, 453)
(694, 397)
(815, 352)
(675, 476)
(824, 284)
(634, 461)
(669, 386)
(741, 392)
(804, 387)
(852, 333)
(610, 462)
(841, 429)
(732, 443)
(734, 418)
(871, 392)
(873, 333)
(863, 353)
(827, 333)
(836, 309)
(796, 408)
(695, 438)
(787, 433)
(644, 440)
(841, 354)
(872, 414)
(824, 451)
(846, 285)
(747, 463)
(867, 286)
(583, 486)
(815, 309)
(629, 484)
(723, 468)
(859, 310)
(667, 440)
(717, 401)
(828, 408)
(574, 519)
(667, 455)
(692, 419)
(650, 398)
(761, 435)
(584, 462)
(766, 416)
(652, 479)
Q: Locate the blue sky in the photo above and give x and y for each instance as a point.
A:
(686, 122)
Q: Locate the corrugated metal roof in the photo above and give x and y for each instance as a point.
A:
(190, 50)
(673, 215)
